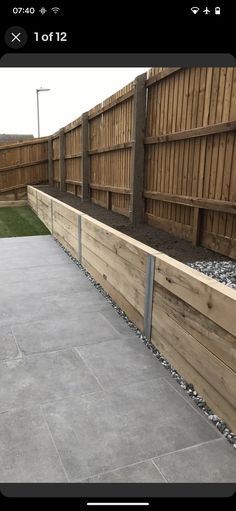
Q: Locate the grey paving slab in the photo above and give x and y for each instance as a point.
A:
(81, 300)
(40, 378)
(60, 271)
(124, 362)
(118, 322)
(31, 252)
(212, 462)
(8, 346)
(27, 452)
(107, 430)
(27, 309)
(46, 286)
(144, 472)
(62, 332)
(107, 406)
(10, 277)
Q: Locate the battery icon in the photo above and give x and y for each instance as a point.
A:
(217, 10)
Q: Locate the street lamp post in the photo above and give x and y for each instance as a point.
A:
(37, 94)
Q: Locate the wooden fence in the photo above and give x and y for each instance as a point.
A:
(188, 316)
(160, 150)
(21, 164)
(190, 155)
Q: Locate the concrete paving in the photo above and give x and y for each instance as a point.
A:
(81, 398)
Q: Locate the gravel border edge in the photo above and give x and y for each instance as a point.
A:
(187, 387)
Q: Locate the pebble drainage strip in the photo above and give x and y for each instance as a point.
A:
(224, 272)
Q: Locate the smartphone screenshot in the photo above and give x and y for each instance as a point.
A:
(117, 252)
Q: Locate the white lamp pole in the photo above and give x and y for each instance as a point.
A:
(37, 94)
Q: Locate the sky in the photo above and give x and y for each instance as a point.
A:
(73, 91)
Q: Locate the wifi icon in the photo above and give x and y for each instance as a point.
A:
(55, 9)
(195, 10)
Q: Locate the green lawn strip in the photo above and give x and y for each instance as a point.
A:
(20, 221)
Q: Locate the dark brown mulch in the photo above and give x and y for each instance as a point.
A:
(156, 238)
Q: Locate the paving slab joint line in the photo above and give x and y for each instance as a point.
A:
(53, 442)
(159, 470)
(78, 354)
(120, 336)
(21, 353)
(145, 460)
(189, 401)
(183, 449)
(103, 292)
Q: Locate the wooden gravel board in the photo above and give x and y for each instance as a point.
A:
(214, 338)
(119, 245)
(213, 299)
(211, 368)
(214, 400)
(120, 281)
(118, 298)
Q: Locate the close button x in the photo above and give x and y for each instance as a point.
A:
(16, 37)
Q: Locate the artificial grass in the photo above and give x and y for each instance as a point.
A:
(20, 221)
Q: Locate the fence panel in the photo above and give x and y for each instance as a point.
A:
(21, 164)
(73, 157)
(190, 153)
(110, 147)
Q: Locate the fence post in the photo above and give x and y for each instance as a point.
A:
(196, 226)
(62, 160)
(85, 161)
(50, 162)
(137, 161)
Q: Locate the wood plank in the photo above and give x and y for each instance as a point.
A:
(61, 230)
(203, 203)
(196, 227)
(64, 209)
(117, 280)
(212, 369)
(36, 141)
(62, 161)
(137, 160)
(66, 224)
(73, 125)
(62, 238)
(73, 156)
(119, 299)
(214, 338)
(131, 250)
(161, 76)
(23, 165)
(13, 203)
(112, 104)
(115, 147)
(113, 189)
(69, 215)
(220, 244)
(19, 187)
(121, 211)
(214, 400)
(122, 255)
(73, 182)
(183, 231)
(221, 127)
(50, 162)
(214, 300)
